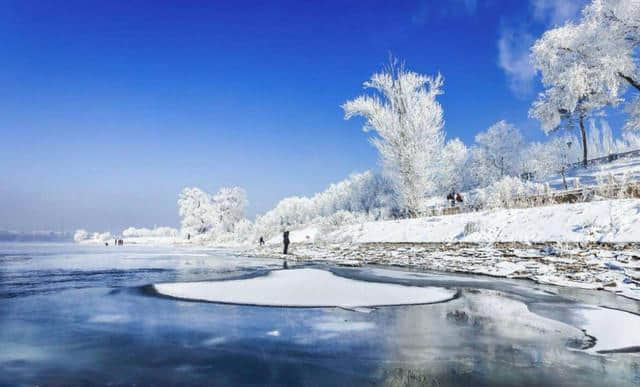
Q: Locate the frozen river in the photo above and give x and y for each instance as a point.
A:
(87, 315)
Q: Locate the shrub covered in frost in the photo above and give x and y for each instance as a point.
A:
(506, 192)
(133, 232)
(101, 237)
(80, 235)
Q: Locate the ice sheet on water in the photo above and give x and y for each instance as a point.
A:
(613, 329)
(305, 288)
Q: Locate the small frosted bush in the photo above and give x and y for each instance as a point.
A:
(80, 235)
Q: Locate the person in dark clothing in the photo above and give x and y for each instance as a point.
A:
(285, 239)
(458, 198)
(188, 237)
(261, 241)
(452, 198)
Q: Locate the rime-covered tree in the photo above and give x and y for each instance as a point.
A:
(197, 210)
(203, 213)
(230, 204)
(497, 152)
(588, 65)
(453, 165)
(407, 121)
(550, 157)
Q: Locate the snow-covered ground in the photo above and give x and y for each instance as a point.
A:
(305, 288)
(563, 244)
(623, 169)
(602, 221)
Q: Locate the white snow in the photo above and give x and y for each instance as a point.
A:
(305, 288)
(625, 169)
(613, 329)
(305, 235)
(602, 221)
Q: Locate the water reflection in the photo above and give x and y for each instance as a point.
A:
(107, 331)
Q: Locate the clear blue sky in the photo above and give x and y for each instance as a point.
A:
(110, 108)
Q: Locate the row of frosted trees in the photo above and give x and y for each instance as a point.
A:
(585, 66)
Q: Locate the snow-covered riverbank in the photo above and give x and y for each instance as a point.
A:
(593, 245)
(588, 245)
(605, 269)
(600, 221)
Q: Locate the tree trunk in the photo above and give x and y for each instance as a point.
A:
(584, 142)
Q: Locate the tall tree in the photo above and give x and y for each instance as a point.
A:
(588, 65)
(407, 120)
(497, 152)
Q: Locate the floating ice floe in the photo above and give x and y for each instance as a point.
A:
(305, 288)
(613, 329)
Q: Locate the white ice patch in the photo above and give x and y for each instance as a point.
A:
(613, 329)
(305, 288)
(109, 319)
(214, 341)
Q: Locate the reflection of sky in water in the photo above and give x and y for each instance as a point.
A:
(123, 336)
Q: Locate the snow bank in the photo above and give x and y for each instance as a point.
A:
(602, 221)
(613, 329)
(305, 288)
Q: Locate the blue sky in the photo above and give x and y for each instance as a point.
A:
(110, 108)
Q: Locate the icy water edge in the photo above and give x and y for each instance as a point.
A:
(85, 315)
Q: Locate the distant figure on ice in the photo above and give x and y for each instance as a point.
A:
(285, 240)
(188, 236)
(261, 241)
(459, 198)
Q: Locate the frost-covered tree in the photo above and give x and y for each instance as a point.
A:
(608, 143)
(630, 141)
(497, 153)
(551, 157)
(203, 213)
(80, 235)
(369, 195)
(594, 140)
(197, 210)
(453, 166)
(230, 204)
(588, 65)
(407, 120)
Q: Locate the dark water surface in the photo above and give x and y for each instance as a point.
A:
(80, 315)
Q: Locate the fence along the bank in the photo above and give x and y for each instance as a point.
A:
(610, 190)
(576, 195)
